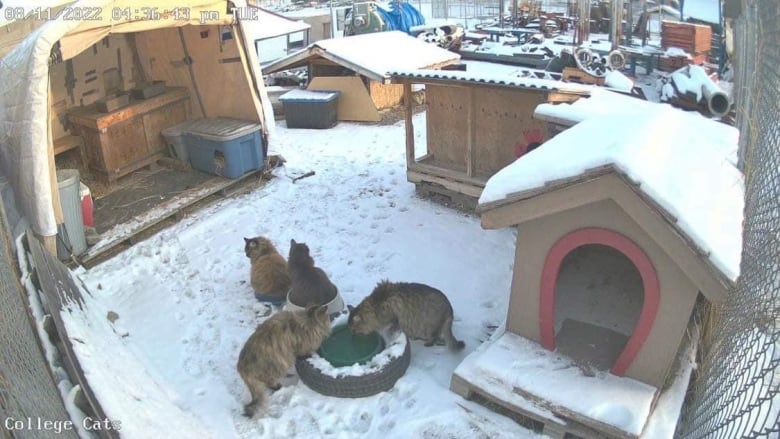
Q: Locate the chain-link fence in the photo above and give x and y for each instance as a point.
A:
(737, 391)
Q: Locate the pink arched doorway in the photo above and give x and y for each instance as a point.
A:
(634, 253)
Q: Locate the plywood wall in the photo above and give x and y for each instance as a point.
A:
(385, 95)
(205, 59)
(447, 125)
(502, 118)
(107, 67)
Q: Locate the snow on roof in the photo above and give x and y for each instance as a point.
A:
(267, 24)
(683, 161)
(511, 361)
(704, 10)
(382, 52)
(511, 80)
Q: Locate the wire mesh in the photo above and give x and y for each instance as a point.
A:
(737, 388)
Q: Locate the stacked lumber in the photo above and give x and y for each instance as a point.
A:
(695, 39)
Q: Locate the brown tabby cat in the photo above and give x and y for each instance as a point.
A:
(420, 311)
(310, 285)
(268, 272)
(271, 350)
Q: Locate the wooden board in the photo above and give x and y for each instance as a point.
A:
(161, 56)
(108, 66)
(504, 118)
(385, 95)
(218, 72)
(447, 125)
(60, 291)
(355, 104)
(573, 74)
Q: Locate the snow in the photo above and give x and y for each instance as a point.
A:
(511, 361)
(166, 366)
(676, 51)
(618, 81)
(683, 161)
(308, 95)
(381, 52)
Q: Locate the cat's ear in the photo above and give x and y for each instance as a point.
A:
(350, 308)
(246, 240)
(292, 242)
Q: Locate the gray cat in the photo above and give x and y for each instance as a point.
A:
(419, 310)
(309, 284)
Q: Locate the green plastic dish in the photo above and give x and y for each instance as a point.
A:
(343, 348)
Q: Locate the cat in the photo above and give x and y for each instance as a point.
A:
(419, 310)
(268, 271)
(309, 284)
(271, 350)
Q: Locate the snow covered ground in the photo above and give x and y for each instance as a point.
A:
(183, 305)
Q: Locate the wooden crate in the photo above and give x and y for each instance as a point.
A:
(693, 38)
(573, 74)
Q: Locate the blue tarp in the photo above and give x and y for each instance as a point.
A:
(401, 16)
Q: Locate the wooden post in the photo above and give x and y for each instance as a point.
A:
(409, 125)
(583, 25)
(50, 242)
(471, 132)
(616, 23)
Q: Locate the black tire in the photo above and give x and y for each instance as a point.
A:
(354, 386)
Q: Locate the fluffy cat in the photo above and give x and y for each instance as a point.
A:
(310, 285)
(420, 311)
(271, 350)
(268, 272)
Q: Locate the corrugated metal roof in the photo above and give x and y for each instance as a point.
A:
(525, 79)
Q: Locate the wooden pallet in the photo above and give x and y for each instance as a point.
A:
(555, 426)
(574, 74)
(173, 209)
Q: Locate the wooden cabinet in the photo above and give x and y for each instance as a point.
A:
(129, 138)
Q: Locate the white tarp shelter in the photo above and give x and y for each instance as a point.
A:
(197, 44)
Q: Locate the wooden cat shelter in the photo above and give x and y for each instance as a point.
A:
(605, 277)
(359, 67)
(475, 125)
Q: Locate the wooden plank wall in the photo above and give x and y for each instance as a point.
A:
(107, 66)
(502, 117)
(447, 125)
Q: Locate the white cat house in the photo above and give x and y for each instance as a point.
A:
(621, 223)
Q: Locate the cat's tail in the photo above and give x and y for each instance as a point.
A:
(446, 332)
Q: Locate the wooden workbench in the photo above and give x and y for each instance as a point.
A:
(129, 138)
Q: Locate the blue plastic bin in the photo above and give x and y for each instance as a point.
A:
(224, 146)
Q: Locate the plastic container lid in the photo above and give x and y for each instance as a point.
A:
(309, 96)
(343, 348)
(222, 128)
(179, 128)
